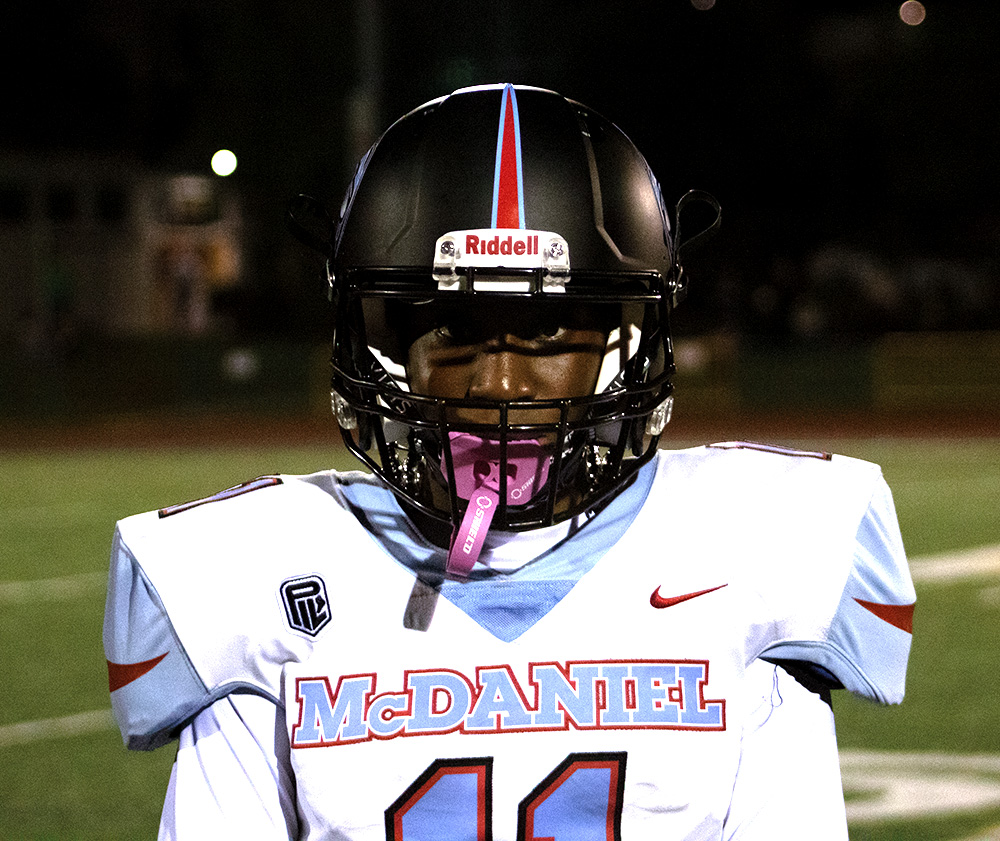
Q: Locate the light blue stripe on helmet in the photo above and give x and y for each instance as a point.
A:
(502, 139)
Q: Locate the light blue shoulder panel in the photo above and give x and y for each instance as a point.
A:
(154, 687)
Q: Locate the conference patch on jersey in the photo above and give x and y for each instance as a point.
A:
(307, 608)
(582, 695)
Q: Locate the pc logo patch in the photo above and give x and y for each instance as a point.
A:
(307, 607)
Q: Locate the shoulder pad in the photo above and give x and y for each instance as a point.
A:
(820, 540)
(867, 642)
(194, 609)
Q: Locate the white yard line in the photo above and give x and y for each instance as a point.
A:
(889, 786)
(53, 589)
(80, 724)
(982, 562)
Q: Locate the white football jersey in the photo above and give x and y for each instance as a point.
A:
(608, 687)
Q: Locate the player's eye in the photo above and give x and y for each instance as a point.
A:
(542, 332)
(454, 332)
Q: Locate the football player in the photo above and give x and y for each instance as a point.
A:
(524, 619)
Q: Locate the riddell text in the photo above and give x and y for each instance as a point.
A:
(496, 245)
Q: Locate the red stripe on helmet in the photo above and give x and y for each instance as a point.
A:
(507, 194)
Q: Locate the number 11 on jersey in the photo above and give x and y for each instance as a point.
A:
(580, 800)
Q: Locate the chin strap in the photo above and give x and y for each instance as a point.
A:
(476, 462)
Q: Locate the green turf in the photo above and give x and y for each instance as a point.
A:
(946, 492)
(58, 511)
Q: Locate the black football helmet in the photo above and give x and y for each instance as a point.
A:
(512, 192)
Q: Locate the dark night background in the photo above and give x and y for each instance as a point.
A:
(855, 156)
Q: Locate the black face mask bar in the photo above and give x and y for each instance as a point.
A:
(594, 442)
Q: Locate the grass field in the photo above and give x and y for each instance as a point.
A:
(64, 773)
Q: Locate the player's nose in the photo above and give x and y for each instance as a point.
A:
(501, 373)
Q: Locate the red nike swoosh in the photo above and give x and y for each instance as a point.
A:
(122, 674)
(656, 600)
(897, 615)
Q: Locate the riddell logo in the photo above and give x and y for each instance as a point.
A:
(515, 248)
(519, 246)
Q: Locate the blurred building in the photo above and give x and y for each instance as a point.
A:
(853, 152)
(96, 246)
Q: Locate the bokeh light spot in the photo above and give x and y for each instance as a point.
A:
(223, 162)
(912, 13)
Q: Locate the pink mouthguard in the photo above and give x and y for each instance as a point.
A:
(476, 462)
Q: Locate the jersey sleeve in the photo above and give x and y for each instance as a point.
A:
(865, 644)
(154, 687)
(231, 777)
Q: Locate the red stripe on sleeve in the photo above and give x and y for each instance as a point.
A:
(897, 615)
(122, 674)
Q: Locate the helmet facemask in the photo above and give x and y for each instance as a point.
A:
(591, 442)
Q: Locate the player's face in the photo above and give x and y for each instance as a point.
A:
(507, 350)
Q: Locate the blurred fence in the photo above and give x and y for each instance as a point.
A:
(163, 374)
(905, 372)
